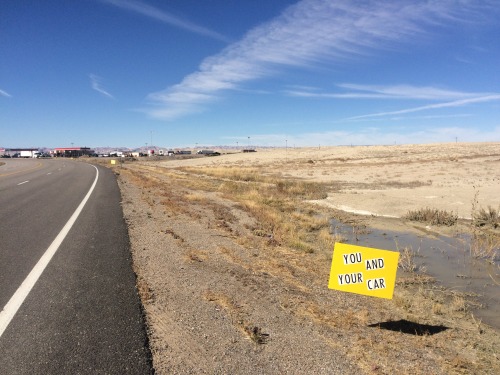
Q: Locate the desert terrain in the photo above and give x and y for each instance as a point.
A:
(232, 255)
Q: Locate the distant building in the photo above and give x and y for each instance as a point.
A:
(72, 152)
(21, 152)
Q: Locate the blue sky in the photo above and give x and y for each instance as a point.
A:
(218, 72)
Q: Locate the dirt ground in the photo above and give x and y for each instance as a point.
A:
(220, 297)
(376, 179)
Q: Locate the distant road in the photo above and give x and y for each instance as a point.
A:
(83, 314)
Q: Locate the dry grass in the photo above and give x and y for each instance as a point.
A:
(327, 239)
(229, 173)
(489, 217)
(485, 239)
(403, 185)
(485, 245)
(286, 235)
(196, 256)
(274, 203)
(406, 260)
(432, 216)
(196, 198)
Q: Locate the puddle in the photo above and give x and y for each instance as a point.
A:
(444, 258)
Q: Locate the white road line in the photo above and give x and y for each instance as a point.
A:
(22, 292)
(22, 182)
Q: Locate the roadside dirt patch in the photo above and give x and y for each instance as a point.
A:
(225, 291)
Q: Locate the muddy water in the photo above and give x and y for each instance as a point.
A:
(446, 259)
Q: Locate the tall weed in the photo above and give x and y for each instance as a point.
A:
(485, 241)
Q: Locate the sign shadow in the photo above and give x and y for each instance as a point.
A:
(411, 328)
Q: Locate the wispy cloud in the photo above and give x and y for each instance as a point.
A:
(310, 32)
(160, 15)
(412, 92)
(5, 93)
(358, 91)
(95, 82)
(331, 95)
(455, 103)
(432, 117)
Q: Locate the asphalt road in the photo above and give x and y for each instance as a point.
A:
(83, 315)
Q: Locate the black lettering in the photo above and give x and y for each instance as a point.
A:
(373, 284)
(373, 264)
(350, 278)
(352, 258)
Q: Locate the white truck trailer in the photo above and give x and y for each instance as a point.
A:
(29, 154)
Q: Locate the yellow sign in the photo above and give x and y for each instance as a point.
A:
(363, 270)
(113, 161)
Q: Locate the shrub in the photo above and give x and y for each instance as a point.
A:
(484, 217)
(432, 216)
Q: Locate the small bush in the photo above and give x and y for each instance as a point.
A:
(484, 217)
(405, 261)
(432, 216)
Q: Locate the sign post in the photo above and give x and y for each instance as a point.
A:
(363, 270)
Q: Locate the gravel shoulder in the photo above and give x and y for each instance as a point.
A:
(221, 298)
